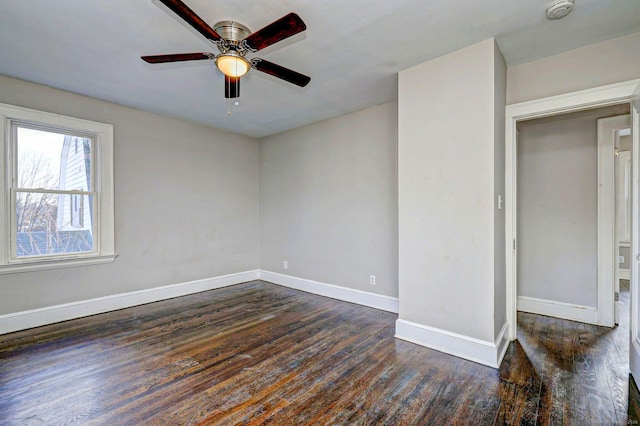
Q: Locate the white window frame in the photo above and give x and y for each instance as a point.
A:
(104, 230)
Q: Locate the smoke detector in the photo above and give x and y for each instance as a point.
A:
(559, 9)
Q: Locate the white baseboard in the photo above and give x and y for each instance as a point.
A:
(469, 348)
(385, 303)
(483, 352)
(624, 274)
(52, 314)
(588, 314)
(36, 317)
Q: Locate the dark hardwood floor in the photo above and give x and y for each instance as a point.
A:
(259, 353)
(579, 372)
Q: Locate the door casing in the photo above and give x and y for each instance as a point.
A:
(614, 94)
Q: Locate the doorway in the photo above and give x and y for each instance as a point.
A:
(566, 214)
(615, 94)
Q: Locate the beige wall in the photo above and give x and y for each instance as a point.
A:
(186, 203)
(328, 201)
(596, 65)
(557, 210)
(447, 176)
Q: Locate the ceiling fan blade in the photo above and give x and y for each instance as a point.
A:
(231, 87)
(190, 17)
(281, 72)
(177, 57)
(281, 29)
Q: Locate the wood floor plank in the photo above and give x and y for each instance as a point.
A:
(258, 353)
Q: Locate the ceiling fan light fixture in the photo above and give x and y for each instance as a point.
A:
(232, 64)
(234, 40)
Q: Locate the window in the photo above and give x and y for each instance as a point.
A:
(57, 207)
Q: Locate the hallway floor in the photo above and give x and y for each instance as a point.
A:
(579, 372)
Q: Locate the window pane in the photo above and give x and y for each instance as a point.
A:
(48, 224)
(53, 160)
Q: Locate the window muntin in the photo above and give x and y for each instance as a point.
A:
(76, 210)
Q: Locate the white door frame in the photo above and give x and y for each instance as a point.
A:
(634, 293)
(608, 247)
(570, 102)
(625, 187)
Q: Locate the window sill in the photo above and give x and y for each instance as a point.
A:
(55, 264)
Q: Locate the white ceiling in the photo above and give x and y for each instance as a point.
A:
(352, 49)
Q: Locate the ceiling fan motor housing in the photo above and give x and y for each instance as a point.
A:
(232, 32)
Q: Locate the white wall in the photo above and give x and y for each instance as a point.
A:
(557, 210)
(186, 200)
(591, 66)
(328, 201)
(450, 115)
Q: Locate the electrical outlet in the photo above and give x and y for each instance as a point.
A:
(285, 265)
(620, 259)
(372, 279)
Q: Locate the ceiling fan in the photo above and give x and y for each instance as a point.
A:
(234, 41)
